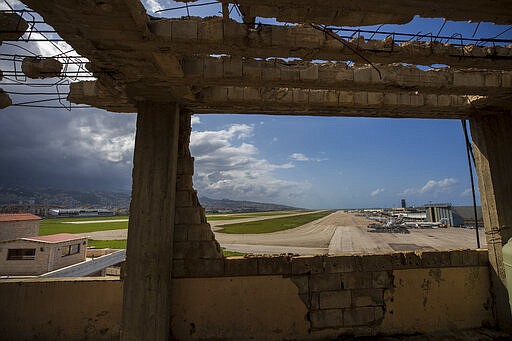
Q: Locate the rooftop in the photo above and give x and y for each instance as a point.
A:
(6, 217)
(54, 238)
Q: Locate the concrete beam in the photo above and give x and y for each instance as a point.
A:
(216, 36)
(374, 12)
(294, 101)
(491, 141)
(236, 71)
(147, 285)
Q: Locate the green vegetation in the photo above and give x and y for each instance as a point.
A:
(231, 253)
(57, 225)
(108, 244)
(233, 216)
(273, 225)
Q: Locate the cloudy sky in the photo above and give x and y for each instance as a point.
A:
(312, 162)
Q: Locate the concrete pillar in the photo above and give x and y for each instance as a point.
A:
(492, 141)
(147, 284)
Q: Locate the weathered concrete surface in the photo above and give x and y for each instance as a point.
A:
(147, 290)
(374, 12)
(302, 298)
(60, 309)
(493, 158)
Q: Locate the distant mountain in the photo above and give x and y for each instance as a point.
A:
(67, 198)
(226, 205)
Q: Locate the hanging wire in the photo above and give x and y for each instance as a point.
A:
(471, 156)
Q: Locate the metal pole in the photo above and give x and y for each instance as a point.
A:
(469, 154)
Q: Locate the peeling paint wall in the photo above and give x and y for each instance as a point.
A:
(272, 298)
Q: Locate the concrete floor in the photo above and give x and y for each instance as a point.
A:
(337, 233)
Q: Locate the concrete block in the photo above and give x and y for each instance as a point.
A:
(404, 99)
(344, 75)
(274, 265)
(331, 318)
(444, 100)
(302, 283)
(361, 98)
(367, 297)
(251, 69)
(358, 316)
(506, 80)
(310, 73)
(184, 30)
(356, 280)
(345, 97)
(300, 96)
(186, 198)
(325, 282)
(331, 97)
(219, 94)
(335, 299)
(213, 68)
(390, 99)
(314, 303)
(431, 99)
(379, 313)
(273, 73)
(375, 98)
(180, 233)
(431, 259)
(417, 100)
(188, 215)
(162, 28)
(456, 258)
(341, 264)
(185, 166)
(492, 79)
(471, 78)
(233, 67)
(382, 279)
(240, 266)
(362, 74)
(235, 93)
(316, 97)
(193, 66)
(211, 31)
(307, 265)
(199, 232)
(204, 267)
(470, 258)
(234, 33)
(406, 260)
(252, 94)
(288, 73)
(377, 262)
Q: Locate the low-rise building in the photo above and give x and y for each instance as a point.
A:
(37, 255)
(18, 225)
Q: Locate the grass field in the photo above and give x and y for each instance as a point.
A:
(57, 225)
(233, 216)
(273, 225)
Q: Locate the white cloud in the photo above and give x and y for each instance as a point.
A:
(195, 120)
(227, 166)
(299, 157)
(432, 187)
(153, 5)
(377, 192)
(302, 157)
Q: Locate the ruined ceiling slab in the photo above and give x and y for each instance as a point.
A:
(216, 36)
(375, 12)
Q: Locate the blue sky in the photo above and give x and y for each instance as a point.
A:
(311, 162)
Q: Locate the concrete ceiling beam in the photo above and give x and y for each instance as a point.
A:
(375, 12)
(217, 36)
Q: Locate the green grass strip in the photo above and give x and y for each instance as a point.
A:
(108, 244)
(57, 225)
(233, 216)
(273, 225)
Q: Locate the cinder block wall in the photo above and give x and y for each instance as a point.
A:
(272, 298)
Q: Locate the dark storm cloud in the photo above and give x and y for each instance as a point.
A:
(82, 149)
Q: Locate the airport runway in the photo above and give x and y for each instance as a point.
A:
(337, 233)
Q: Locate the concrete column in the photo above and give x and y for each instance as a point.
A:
(492, 141)
(147, 285)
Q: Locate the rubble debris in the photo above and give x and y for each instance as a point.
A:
(41, 67)
(5, 100)
(12, 26)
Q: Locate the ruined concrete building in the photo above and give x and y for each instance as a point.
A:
(177, 283)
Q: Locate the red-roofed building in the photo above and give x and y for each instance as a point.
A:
(18, 225)
(30, 256)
